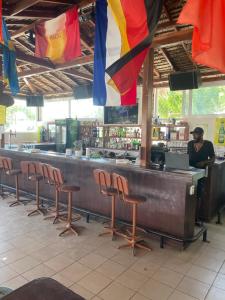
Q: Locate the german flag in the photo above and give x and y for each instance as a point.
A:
(59, 38)
(124, 32)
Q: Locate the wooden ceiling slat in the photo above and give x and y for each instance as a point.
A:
(22, 5)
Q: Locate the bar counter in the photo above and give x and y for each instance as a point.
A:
(170, 205)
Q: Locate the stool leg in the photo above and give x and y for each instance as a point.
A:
(112, 229)
(56, 216)
(69, 225)
(17, 202)
(38, 210)
(133, 241)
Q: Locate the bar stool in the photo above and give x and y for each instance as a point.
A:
(31, 170)
(104, 181)
(45, 171)
(58, 180)
(121, 184)
(7, 165)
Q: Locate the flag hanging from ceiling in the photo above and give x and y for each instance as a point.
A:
(208, 43)
(9, 60)
(59, 38)
(123, 35)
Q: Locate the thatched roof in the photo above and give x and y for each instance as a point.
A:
(172, 46)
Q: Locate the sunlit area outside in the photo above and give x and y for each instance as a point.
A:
(208, 100)
(84, 109)
(21, 118)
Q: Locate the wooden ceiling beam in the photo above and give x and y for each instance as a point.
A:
(29, 85)
(52, 82)
(21, 31)
(22, 5)
(78, 74)
(20, 55)
(62, 82)
(168, 59)
(167, 39)
(83, 60)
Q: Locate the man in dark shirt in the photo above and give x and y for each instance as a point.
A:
(201, 152)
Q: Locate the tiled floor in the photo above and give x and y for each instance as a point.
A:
(93, 266)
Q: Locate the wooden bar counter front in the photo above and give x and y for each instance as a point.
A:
(170, 205)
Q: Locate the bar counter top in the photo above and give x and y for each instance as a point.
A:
(170, 202)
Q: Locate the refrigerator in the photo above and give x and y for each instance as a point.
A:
(66, 133)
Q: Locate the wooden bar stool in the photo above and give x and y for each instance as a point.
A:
(7, 165)
(121, 184)
(104, 181)
(45, 171)
(58, 180)
(31, 170)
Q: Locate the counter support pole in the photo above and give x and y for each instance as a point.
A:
(147, 109)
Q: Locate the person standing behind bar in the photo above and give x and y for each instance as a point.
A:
(201, 155)
(201, 152)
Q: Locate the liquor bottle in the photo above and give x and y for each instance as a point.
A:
(221, 137)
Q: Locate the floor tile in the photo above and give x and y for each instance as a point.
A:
(75, 272)
(168, 277)
(15, 282)
(39, 271)
(59, 262)
(111, 269)
(202, 274)
(155, 290)
(24, 264)
(92, 260)
(178, 265)
(80, 290)
(193, 288)
(132, 279)
(216, 294)
(222, 270)
(115, 291)
(94, 282)
(180, 296)
(12, 256)
(208, 262)
(125, 259)
(7, 273)
(62, 279)
(145, 267)
(139, 297)
(220, 282)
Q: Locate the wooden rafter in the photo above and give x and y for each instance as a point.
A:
(29, 85)
(22, 5)
(78, 74)
(168, 59)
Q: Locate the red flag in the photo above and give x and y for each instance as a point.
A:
(59, 38)
(208, 19)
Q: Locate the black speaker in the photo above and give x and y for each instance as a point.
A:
(83, 92)
(184, 80)
(35, 100)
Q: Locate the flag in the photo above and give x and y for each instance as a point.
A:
(59, 38)
(208, 42)
(9, 60)
(123, 35)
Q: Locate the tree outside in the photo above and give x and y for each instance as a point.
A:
(208, 100)
(169, 103)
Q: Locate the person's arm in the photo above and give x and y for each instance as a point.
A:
(211, 155)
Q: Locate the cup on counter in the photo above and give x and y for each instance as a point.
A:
(78, 153)
(68, 152)
(88, 152)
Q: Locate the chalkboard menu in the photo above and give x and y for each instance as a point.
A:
(121, 114)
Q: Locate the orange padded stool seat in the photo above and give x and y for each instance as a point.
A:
(104, 181)
(31, 170)
(58, 181)
(8, 169)
(121, 184)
